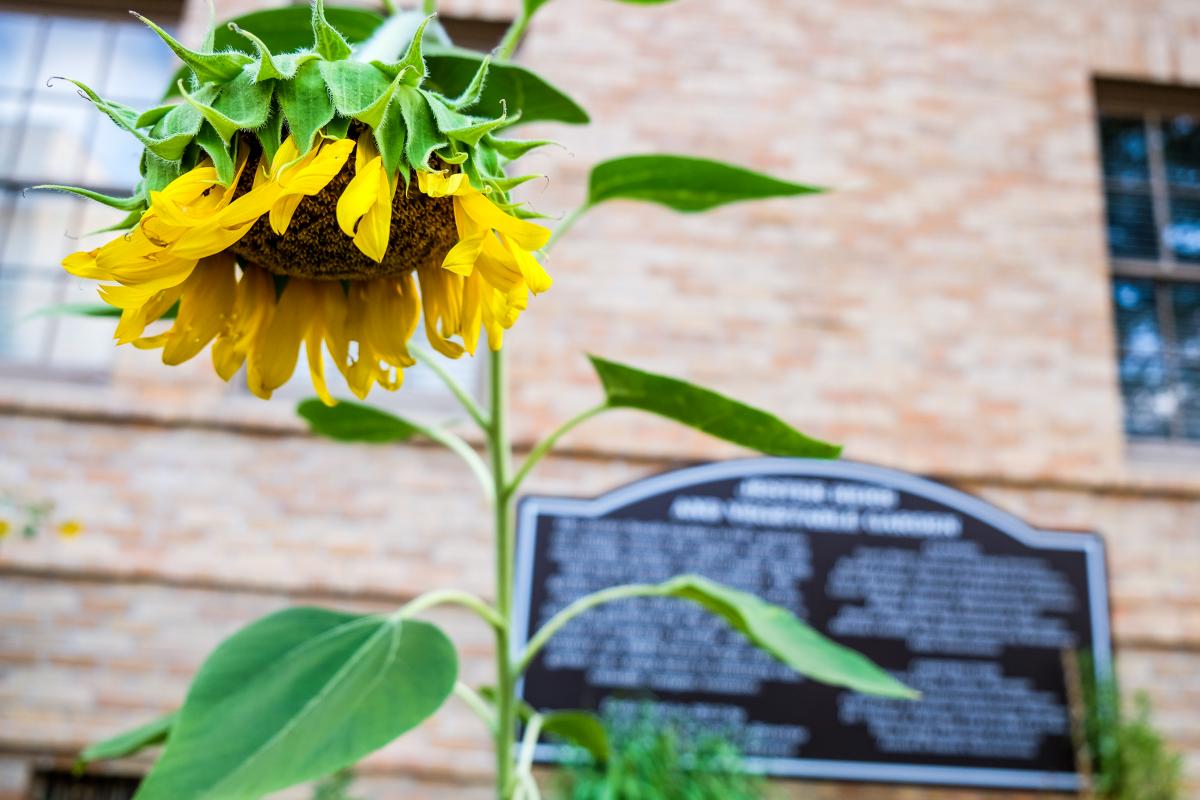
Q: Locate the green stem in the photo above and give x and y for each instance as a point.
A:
(464, 451)
(501, 451)
(566, 224)
(575, 609)
(477, 704)
(443, 597)
(512, 37)
(533, 730)
(546, 445)
(462, 395)
(429, 7)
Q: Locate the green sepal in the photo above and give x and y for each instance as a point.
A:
(470, 95)
(507, 184)
(413, 62)
(338, 127)
(305, 103)
(372, 115)
(157, 173)
(242, 105)
(452, 70)
(272, 67)
(124, 223)
(326, 39)
(423, 137)
(453, 158)
(137, 201)
(218, 150)
(391, 135)
(512, 149)
(150, 117)
(169, 148)
(208, 67)
(353, 86)
(270, 135)
(472, 134)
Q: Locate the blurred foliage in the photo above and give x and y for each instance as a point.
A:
(336, 787)
(1130, 759)
(655, 760)
(28, 517)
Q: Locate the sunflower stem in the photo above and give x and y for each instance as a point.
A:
(512, 37)
(462, 395)
(452, 597)
(546, 445)
(500, 448)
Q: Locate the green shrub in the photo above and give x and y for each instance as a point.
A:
(655, 760)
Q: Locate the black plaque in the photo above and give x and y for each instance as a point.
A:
(953, 596)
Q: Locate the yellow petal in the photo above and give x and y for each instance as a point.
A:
(276, 348)
(206, 303)
(253, 307)
(535, 276)
(357, 198)
(487, 214)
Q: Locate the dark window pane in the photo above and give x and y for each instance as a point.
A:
(1123, 149)
(1145, 385)
(1181, 150)
(1185, 312)
(1182, 234)
(1131, 232)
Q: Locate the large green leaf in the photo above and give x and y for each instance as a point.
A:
(152, 734)
(354, 422)
(508, 87)
(298, 695)
(581, 728)
(707, 411)
(782, 634)
(684, 183)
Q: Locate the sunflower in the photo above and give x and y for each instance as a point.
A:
(321, 200)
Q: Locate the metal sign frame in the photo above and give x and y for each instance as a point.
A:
(534, 507)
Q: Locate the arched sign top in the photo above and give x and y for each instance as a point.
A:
(958, 598)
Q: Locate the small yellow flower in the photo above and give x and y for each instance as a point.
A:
(5, 527)
(69, 529)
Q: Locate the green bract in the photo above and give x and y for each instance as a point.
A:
(262, 84)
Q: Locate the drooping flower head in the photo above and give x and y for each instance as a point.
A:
(329, 198)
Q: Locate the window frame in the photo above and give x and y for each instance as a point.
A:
(1151, 104)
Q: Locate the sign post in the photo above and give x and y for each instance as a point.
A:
(958, 599)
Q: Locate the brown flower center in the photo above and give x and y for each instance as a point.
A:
(315, 247)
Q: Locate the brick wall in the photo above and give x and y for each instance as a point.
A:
(945, 310)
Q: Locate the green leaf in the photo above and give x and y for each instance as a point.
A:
(452, 71)
(354, 422)
(134, 203)
(705, 410)
(354, 86)
(245, 101)
(512, 149)
(208, 67)
(329, 41)
(126, 744)
(684, 183)
(413, 61)
(306, 104)
(91, 310)
(781, 633)
(270, 135)
(271, 67)
(149, 117)
(298, 695)
(391, 135)
(581, 728)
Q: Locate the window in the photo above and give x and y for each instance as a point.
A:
(1150, 152)
(65, 786)
(48, 134)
